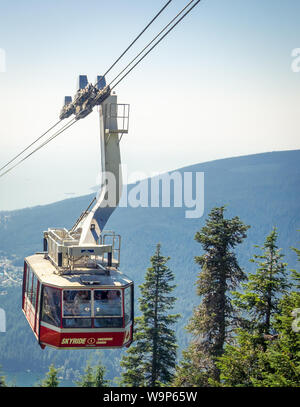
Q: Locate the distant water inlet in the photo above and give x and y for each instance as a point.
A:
(173, 189)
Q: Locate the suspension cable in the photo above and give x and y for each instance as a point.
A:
(109, 69)
(157, 42)
(73, 121)
(134, 41)
(25, 149)
(148, 45)
(61, 130)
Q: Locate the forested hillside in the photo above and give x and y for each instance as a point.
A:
(262, 189)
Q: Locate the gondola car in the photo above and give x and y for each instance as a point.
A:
(74, 295)
(86, 309)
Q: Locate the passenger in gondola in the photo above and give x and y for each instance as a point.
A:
(100, 297)
(114, 302)
(50, 312)
(82, 303)
(107, 303)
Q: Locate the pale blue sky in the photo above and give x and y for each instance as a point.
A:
(220, 85)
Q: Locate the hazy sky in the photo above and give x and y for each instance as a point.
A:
(220, 85)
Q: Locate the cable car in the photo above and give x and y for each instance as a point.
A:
(86, 309)
(74, 295)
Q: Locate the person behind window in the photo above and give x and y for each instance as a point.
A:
(114, 302)
(113, 296)
(100, 297)
(77, 303)
(107, 303)
(82, 303)
(51, 313)
(69, 303)
(107, 307)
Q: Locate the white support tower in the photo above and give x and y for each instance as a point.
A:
(87, 244)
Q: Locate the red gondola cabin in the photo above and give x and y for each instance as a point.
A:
(74, 296)
(89, 309)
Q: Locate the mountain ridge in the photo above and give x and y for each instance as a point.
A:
(262, 189)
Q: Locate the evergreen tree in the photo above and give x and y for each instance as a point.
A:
(248, 360)
(211, 321)
(239, 364)
(87, 379)
(93, 376)
(99, 380)
(263, 289)
(248, 363)
(280, 364)
(2, 380)
(133, 361)
(51, 379)
(151, 359)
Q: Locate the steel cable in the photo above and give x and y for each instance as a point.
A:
(134, 41)
(73, 121)
(65, 127)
